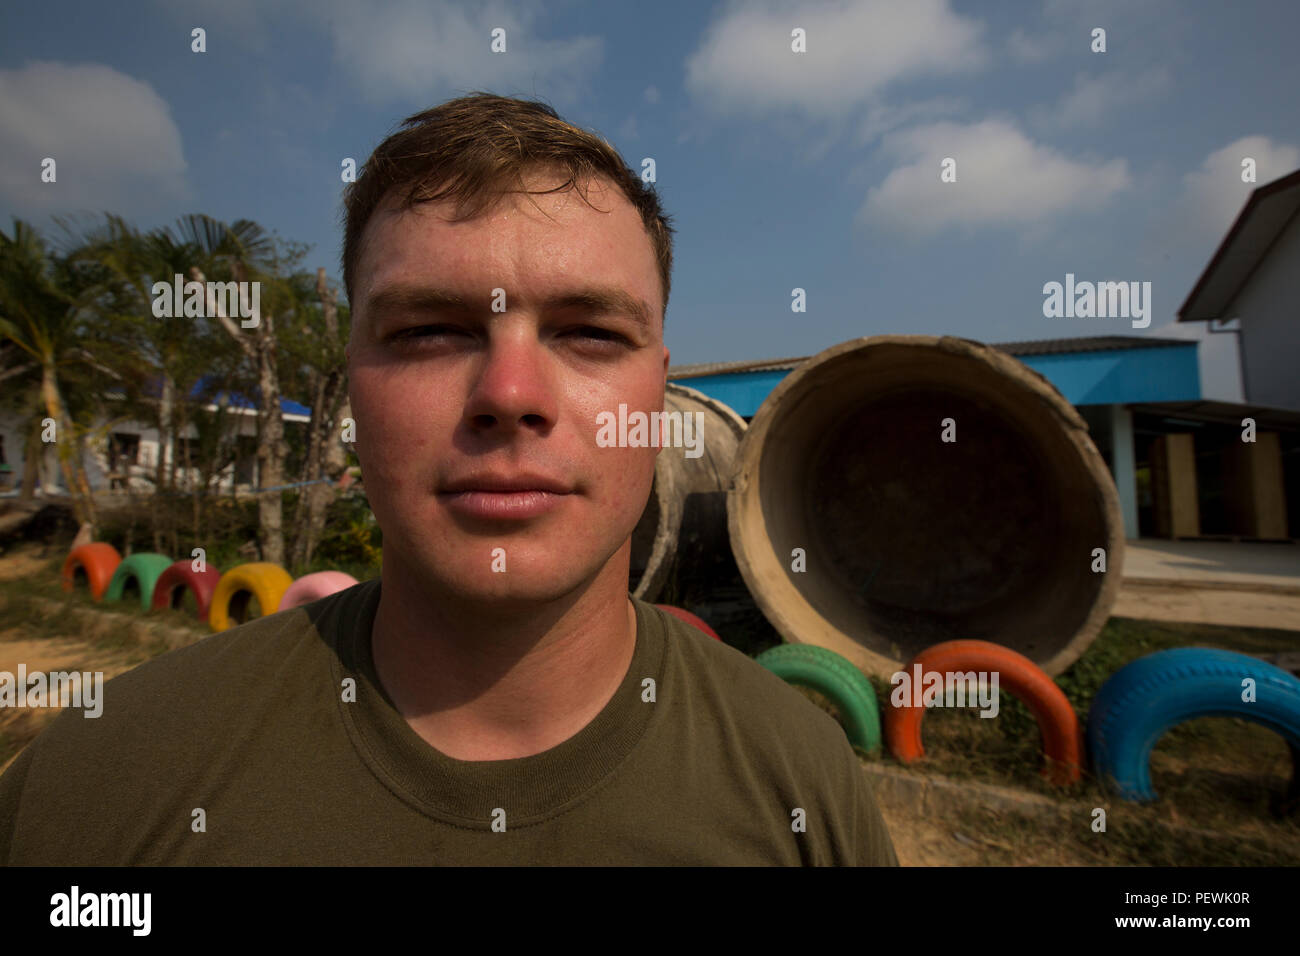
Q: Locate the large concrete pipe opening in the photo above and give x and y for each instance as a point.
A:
(683, 530)
(908, 539)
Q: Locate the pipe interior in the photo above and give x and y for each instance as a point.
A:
(910, 540)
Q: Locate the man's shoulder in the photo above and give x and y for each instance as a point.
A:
(249, 667)
(737, 688)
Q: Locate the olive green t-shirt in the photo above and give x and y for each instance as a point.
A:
(717, 762)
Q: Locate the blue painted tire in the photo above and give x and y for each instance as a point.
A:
(1141, 701)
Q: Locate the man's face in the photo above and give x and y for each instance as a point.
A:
(476, 429)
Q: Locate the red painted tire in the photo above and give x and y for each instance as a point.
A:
(1062, 736)
(98, 560)
(313, 587)
(181, 576)
(689, 618)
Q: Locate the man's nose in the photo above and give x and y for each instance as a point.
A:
(515, 387)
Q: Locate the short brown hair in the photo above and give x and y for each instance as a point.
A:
(474, 150)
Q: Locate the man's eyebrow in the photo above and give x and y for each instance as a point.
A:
(590, 299)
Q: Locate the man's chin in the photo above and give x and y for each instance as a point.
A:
(519, 583)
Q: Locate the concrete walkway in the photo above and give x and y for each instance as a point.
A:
(1242, 584)
(1246, 564)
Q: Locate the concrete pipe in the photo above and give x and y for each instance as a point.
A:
(683, 530)
(909, 540)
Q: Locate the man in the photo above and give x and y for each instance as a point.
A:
(495, 697)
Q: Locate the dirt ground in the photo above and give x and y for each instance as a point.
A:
(1228, 607)
(924, 841)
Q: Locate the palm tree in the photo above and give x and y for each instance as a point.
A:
(169, 356)
(41, 312)
(244, 252)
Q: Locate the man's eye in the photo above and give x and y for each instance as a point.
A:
(597, 334)
(424, 332)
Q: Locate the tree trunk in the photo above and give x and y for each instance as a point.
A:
(325, 451)
(271, 450)
(259, 346)
(83, 505)
(32, 454)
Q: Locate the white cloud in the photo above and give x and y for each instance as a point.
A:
(1095, 99)
(881, 118)
(1003, 178)
(651, 94)
(111, 136)
(1214, 193)
(856, 48)
(412, 50)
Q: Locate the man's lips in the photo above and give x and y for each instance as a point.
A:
(504, 497)
(504, 484)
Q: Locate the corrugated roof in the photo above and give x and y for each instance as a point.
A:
(1267, 213)
(1226, 413)
(1092, 343)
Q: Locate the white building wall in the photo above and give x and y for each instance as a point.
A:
(12, 428)
(1269, 309)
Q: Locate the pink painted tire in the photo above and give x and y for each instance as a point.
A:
(181, 576)
(313, 587)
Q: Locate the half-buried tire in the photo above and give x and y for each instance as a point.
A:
(263, 580)
(143, 570)
(836, 679)
(1144, 699)
(684, 615)
(97, 561)
(180, 577)
(314, 586)
(1058, 725)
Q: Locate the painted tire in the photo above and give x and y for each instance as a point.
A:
(98, 560)
(261, 579)
(313, 587)
(683, 615)
(145, 569)
(181, 576)
(1142, 700)
(835, 678)
(1061, 734)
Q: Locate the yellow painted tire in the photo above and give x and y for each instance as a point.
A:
(261, 579)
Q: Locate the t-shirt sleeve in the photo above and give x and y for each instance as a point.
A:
(875, 848)
(867, 841)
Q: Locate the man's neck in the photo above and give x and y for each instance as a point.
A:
(480, 683)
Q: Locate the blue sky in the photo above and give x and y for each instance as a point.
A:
(817, 170)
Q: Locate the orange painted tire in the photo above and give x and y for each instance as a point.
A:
(180, 577)
(260, 579)
(97, 560)
(1062, 736)
(684, 615)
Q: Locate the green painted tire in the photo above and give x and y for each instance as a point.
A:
(145, 569)
(835, 678)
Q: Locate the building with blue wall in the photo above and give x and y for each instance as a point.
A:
(1141, 398)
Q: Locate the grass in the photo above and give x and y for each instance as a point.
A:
(1219, 774)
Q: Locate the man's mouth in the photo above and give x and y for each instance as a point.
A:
(504, 497)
